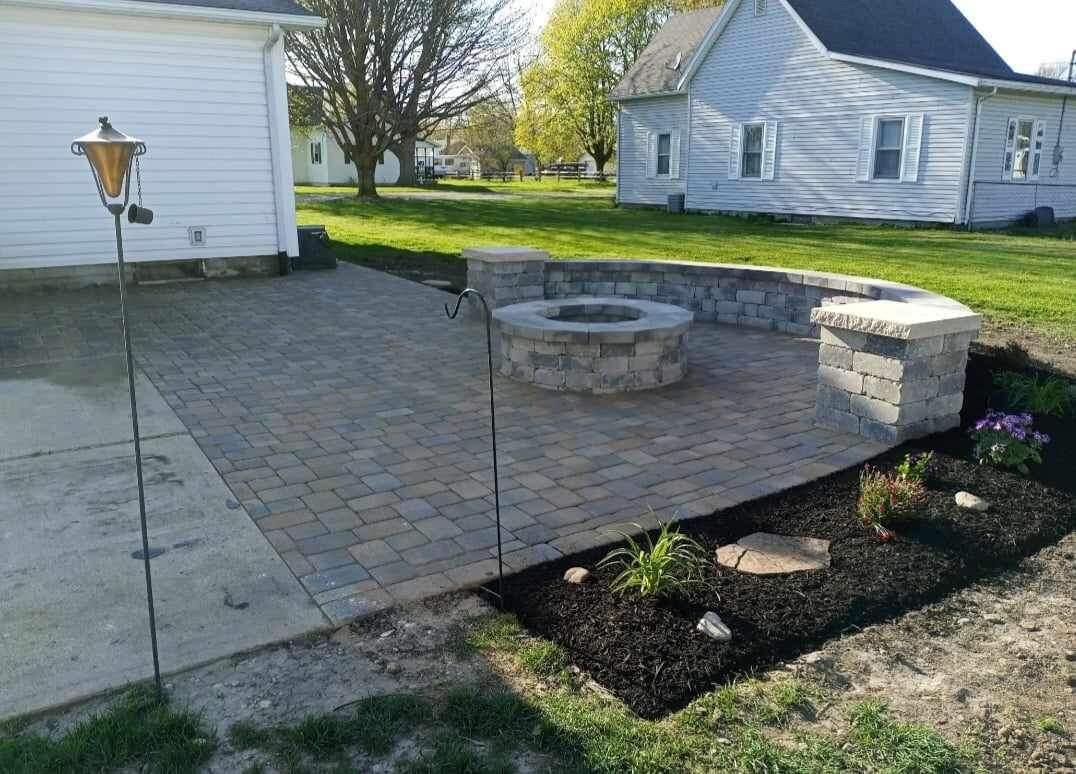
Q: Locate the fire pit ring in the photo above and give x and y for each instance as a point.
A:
(594, 344)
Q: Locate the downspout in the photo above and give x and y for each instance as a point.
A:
(275, 33)
(619, 129)
(969, 181)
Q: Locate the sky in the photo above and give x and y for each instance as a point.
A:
(1026, 33)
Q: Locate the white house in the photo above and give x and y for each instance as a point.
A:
(874, 109)
(318, 159)
(201, 82)
(456, 159)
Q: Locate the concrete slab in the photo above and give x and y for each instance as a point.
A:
(73, 404)
(73, 600)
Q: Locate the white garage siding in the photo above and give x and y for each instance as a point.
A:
(194, 91)
(997, 199)
(766, 68)
(639, 118)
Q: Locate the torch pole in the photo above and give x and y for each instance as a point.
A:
(117, 211)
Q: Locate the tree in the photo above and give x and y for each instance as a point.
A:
(585, 49)
(1059, 70)
(489, 134)
(390, 70)
(539, 129)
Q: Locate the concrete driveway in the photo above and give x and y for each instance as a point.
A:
(72, 593)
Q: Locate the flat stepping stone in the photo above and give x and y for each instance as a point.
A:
(763, 553)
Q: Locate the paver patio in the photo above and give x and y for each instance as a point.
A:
(350, 418)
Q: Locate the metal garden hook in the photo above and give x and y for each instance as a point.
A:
(493, 432)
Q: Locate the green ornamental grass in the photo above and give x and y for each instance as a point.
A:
(657, 568)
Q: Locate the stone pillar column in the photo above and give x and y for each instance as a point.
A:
(892, 371)
(505, 275)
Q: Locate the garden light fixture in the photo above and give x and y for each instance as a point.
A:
(111, 154)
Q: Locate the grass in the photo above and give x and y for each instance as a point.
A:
(1050, 725)
(138, 732)
(537, 713)
(527, 187)
(1014, 279)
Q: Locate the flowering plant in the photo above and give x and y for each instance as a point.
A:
(915, 467)
(1008, 440)
(883, 496)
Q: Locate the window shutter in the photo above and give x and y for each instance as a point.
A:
(769, 150)
(866, 149)
(651, 154)
(734, 152)
(674, 154)
(913, 145)
(1010, 150)
(1038, 141)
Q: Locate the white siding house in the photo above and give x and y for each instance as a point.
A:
(201, 84)
(318, 159)
(771, 115)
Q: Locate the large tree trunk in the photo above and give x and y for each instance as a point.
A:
(366, 166)
(405, 152)
(601, 158)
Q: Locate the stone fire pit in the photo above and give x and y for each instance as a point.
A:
(594, 344)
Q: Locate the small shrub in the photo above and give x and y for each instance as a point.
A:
(884, 497)
(1007, 440)
(915, 467)
(660, 567)
(1051, 395)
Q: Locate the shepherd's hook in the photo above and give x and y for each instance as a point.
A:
(493, 430)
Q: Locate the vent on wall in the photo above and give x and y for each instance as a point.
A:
(760, 7)
(197, 236)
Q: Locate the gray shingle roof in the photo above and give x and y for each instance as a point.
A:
(655, 70)
(928, 33)
(932, 34)
(258, 6)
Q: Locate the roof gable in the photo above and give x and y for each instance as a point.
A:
(659, 68)
(890, 34)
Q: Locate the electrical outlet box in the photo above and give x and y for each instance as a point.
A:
(197, 236)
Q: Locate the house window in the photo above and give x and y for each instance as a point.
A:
(751, 161)
(1021, 167)
(315, 152)
(760, 7)
(664, 153)
(887, 150)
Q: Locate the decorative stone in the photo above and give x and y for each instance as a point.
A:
(971, 502)
(577, 575)
(712, 626)
(763, 553)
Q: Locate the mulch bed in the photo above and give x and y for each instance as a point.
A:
(648, 653)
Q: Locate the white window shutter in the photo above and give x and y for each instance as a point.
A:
(734, 152)
(866, 149)
(769, 150)
(1010, 150)
(651, 155)
(1038, 142)
(674, 154)
(913, 147)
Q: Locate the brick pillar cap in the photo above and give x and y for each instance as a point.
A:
(897, 320)
(505, 254)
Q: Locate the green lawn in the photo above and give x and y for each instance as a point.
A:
(1026, 280)
(526, 187)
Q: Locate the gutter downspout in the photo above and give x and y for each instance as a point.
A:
(969, 190)
(275, 33)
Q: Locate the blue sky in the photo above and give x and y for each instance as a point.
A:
(1025, 32)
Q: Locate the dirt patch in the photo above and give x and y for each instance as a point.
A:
(1054, 350)
(993, 662)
